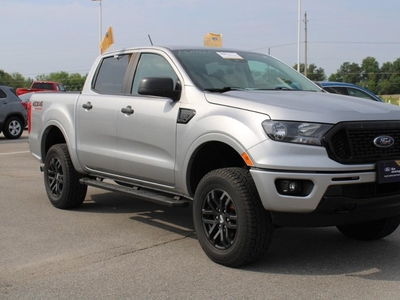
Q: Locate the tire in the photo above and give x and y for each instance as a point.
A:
(61, 180)
(13, 128)
(373, 230)
(232, 226)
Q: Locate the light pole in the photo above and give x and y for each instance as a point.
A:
(298, 35)
(100, 20)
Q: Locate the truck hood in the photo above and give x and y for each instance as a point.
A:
(307, 106)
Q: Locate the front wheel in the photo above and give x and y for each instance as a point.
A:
(371, 230)
(232, 226)
(13, 128)
(61, 180)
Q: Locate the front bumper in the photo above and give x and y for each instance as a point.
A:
(335, 199)
(272, 200)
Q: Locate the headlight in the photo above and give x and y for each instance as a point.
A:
(296, 132)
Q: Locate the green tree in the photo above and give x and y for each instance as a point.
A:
(316, 74)
(384, 86)
(6, 79)
(313, 72)
(370, 74)
(20, 81)
(71, 82)
(348, 72)
(76, 82)
(395, 77)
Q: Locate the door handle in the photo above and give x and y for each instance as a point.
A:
(127, 110)
(87, 105)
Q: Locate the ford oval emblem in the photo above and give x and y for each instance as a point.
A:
(384, 141)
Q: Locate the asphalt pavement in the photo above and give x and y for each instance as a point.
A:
(117, 247)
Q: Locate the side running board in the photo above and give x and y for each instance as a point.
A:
(149, 195)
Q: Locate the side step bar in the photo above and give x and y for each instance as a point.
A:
(149, 195)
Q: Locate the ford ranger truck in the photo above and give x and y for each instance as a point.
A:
(253, 144)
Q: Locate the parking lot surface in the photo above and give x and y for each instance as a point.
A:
(116, 247)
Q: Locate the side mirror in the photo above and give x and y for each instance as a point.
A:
(159, 86)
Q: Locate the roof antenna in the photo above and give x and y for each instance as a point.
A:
(151, 42)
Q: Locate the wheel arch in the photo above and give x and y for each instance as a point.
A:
(56, 134)
(52, 135)
(16, 115)
(209, 154)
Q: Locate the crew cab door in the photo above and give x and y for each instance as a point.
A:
(96, 126)
(146, 127)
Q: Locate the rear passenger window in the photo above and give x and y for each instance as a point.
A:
(111, 74)
(2, 94)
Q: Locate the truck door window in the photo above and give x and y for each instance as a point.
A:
(111, 73)
(152, 65)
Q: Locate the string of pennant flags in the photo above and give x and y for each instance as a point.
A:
(210, 40)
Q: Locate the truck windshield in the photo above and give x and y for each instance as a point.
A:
(221, 71)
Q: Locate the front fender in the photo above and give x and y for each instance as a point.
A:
(236, 128)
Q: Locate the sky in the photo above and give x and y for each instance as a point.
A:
(46, 36)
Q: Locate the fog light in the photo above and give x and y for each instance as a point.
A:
(294, 187)
(289, 186)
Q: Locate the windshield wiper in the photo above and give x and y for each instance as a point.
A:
(224, 89)
(283, 88)
(280, 88)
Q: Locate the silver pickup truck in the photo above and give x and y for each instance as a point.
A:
(251, 142)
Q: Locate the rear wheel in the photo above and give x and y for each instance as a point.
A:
(371, 230)
(61, 180)
(232, 226)
(13, 128)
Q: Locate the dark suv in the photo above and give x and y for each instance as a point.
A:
(13, 116)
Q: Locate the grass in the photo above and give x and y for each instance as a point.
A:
(392, 99)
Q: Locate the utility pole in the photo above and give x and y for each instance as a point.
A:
(100, 21)
(305, 44)
(298, 34)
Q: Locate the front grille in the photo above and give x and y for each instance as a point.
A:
(371, 189)
(353, 142)
(363, 190)
(372, 197)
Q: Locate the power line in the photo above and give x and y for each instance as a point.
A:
(373, 43)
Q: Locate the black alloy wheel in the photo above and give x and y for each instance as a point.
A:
(219, 219)
(232, 226)
(62, 180)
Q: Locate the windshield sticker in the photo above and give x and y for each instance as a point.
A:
(229, 55)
